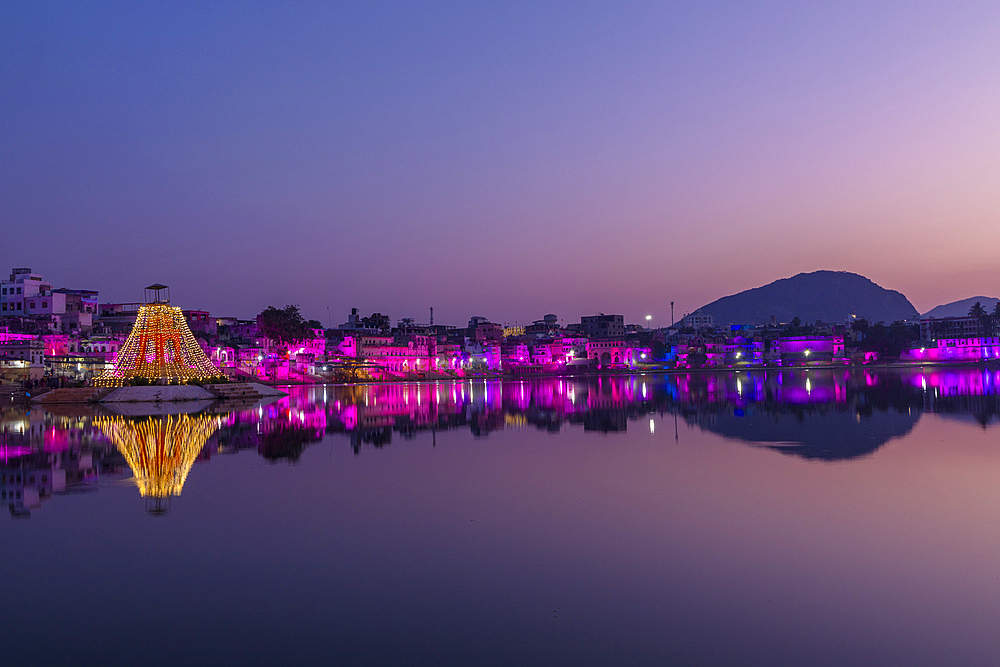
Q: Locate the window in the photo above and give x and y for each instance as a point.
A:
(45, 304)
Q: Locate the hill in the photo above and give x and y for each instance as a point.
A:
(961, 308)
(830, 296)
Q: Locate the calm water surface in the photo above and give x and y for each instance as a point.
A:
(801, 517)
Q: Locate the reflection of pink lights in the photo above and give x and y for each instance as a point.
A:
(13, 451)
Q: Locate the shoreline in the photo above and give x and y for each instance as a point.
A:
(637, 371)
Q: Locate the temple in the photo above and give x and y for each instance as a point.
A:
(160, 348)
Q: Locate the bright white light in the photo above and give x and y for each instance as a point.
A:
(652, 426)
(649, 317)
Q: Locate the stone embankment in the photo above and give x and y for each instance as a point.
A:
(160, 393)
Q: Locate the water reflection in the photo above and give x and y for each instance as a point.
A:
(825, 415)
(159, 450)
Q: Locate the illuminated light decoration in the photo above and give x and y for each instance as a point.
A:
(513, 331)
(160, 347)
(159, 450)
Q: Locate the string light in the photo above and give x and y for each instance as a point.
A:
(160, 347)
(159, 450)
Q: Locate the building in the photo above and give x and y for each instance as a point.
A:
(973, 348)
(933, 328)
(200, 320)
(22, 284)
(699, 321)
(26, 294)
(603, 326)
(23, 358)
(482, 330)
(118, 317)
(808, 349)
(612, 353)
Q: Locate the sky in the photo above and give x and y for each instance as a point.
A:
(501, 159)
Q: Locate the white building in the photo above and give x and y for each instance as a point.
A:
(22, 284)
(26, 294)
(699, 321)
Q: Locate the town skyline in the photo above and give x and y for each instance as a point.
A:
(338, 313)
(398, 159)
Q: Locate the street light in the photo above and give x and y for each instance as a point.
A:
(649, 318)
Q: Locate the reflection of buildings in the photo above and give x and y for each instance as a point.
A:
(817, 414)
(44, 454)
(160, 450)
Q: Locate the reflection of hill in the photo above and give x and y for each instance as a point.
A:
(981, 410)
(816, 414)
(823, 435)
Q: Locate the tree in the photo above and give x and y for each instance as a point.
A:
(890, 341)
(284, 326)
(977, 311)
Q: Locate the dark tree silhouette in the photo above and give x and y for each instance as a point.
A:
(283, 326)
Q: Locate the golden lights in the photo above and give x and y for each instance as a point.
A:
(160, 450)
(160, 347)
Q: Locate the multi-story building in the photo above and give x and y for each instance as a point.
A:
(118, 317)
(603, 326)
(699, 321)
(22, 284)
(30, 352)
(973, 348)
(26, 294)
(482, 330)
(934, 328)
(200, 320)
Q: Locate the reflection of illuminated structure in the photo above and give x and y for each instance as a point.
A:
(160, 347)
(160, 449)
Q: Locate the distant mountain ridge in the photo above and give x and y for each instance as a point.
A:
(961, 308)
(830, 296)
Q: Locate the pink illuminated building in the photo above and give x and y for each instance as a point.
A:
(808, 349)
(616, 353)
(955, 350)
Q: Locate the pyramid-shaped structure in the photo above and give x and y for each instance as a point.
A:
(160, 450)
(160, 348)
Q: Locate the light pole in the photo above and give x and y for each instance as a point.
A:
(649, 318)
(672, 313)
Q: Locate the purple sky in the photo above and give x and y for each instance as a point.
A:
(502, 159)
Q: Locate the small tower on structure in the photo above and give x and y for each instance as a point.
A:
(160, 348)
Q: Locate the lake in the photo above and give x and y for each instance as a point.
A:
(814, 517)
